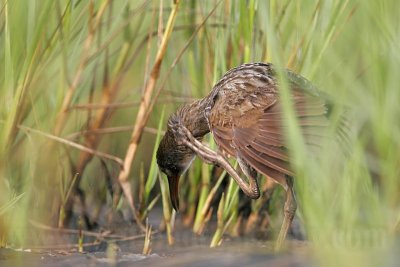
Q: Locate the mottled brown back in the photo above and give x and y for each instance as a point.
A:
(246, 117)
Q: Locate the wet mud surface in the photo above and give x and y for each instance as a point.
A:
(123, 246)
(231, 253)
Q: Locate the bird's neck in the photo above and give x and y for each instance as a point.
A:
(193, 118)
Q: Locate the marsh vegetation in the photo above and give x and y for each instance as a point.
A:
(86, 88)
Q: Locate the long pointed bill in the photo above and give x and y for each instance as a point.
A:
(173, 183)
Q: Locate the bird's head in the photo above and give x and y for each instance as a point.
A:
(173, 159)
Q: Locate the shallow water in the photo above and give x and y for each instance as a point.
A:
(188, 250)
(194, 253)
(231, 253)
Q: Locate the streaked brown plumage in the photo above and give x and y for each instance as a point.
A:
(244, 115)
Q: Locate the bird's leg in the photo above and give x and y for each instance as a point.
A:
(289, 211)
(210, 156)
(251, 173)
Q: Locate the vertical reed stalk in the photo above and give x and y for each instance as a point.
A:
(140, 121)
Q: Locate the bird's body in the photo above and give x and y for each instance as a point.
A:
(243, 112)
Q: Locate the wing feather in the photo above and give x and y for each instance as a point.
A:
(247, 121)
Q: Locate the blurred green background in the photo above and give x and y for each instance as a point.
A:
(77, 69)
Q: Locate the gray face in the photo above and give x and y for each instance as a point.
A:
(173, 163)
(173, 160)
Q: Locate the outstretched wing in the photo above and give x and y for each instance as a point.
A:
(247, 120)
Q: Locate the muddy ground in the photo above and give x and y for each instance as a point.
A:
(123, 245)
(231, 253)
(53, 248)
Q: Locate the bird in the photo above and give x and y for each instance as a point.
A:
(244, 114)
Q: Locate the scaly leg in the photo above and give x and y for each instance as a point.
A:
(250, 173)
(289, 211)
(208, 155)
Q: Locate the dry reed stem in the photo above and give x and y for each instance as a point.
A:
(110, 130)
(64, 246)
(73, 231)
(100, 236)
(75, 145)
(145, 101)
(108, 93)
(146, 106)
(179, 57)
(63, 113)
(130, 104)
(134, 237)
(147, 37)
(140, 121)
